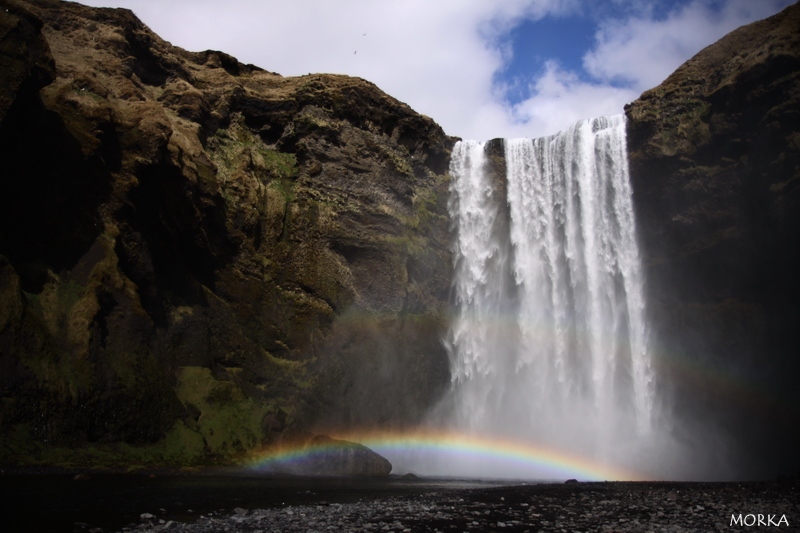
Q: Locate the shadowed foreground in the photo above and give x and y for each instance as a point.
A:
(618, 506)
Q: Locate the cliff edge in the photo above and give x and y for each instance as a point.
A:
(200, 258)
(715, 168)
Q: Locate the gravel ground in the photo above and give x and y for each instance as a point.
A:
(570, 507)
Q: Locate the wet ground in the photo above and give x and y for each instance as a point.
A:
(603, 507)
(42, 502)
(216, 503)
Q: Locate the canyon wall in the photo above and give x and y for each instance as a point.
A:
(715, 168)
(199, 258)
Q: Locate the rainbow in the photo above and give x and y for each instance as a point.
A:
(475, 456)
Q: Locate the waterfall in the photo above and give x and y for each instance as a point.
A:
(549, 344)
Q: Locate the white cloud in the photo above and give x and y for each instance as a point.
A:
(642, 52)
(560, 98)
(629, 57)
(440, 57)
(435, 56)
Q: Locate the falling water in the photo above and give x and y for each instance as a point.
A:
(549, 344)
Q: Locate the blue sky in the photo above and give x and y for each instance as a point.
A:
(566, 37)
(535, 42)
(480, 68)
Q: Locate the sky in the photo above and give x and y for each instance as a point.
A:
(480, 68)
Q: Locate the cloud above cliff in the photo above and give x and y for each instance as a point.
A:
(481, 69)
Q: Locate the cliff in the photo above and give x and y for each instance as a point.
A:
(715, 168)
(200, 258)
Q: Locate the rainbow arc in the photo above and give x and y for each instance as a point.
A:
(424, 453)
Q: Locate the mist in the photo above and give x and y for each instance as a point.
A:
(550, 347)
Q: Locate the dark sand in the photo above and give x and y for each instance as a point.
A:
(217, 503)
(670, 507)
(607, 507)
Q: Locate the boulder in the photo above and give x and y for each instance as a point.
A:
(323, 456)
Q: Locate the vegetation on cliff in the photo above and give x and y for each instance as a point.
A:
(200, 258)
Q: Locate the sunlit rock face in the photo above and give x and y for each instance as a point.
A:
(200, 257)
(715, 168)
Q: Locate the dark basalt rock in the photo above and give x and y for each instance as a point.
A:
(198, 256)
(715, 169)
(323, 456)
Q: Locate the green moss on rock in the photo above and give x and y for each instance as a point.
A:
(193, 252)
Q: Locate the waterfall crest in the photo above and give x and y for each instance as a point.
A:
(549, 343)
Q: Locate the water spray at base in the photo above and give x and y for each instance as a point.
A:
(549, 347)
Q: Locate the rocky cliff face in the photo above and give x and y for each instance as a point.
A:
(715, 165)
(199, 257)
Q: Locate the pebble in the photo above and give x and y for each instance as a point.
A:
(585, 507)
